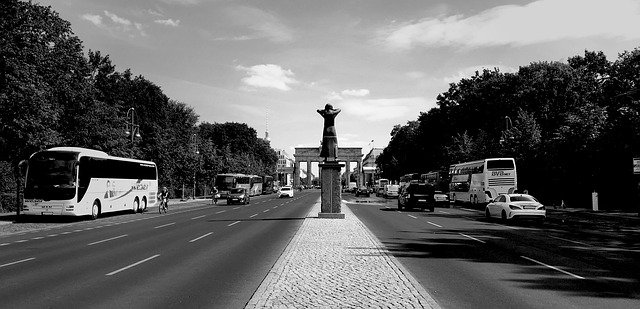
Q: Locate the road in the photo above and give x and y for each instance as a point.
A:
(464, 261)
(194, 257)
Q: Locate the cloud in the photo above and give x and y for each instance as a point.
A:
(262, 24)
(356, 92)
(94, 19)
(268, 76)
(333, 96)
(168, 22)
(182, 2)
(520, 25)
(117, 20)
(470, 71)
(382, 109)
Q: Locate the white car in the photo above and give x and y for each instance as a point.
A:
(510, 207)
(285, 191)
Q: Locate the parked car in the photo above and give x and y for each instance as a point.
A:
(417, 195)
(285, 191)
(391, 191)
(441, 199)
(239, 196)
(510, 207)
(364, 191)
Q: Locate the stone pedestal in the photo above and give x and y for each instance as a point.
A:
(331, 190)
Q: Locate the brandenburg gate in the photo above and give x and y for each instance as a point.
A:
(310, 154)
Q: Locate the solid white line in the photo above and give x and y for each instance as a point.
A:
(467, 236)
(253, 216)
(132, 265)
(105, 240)
(413, 216)
(234, 223)
(573, 241)
(164, 225)
(201, 237)
(434, 224)
(198, 217)
(221, 211)
(552, 267)
(16, 262)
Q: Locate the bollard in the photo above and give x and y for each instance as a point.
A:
(594, 200)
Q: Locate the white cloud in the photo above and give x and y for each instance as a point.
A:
(168, 22)
(333, 96)
(518, 25)
(117, 19)
(356, 92)
(470, 71)
(382, 109)
(262, 24)
(94, 19)
(268, 76)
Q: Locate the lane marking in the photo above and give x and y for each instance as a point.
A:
(164, 225)
(105, 240)
(198, 217)
(4, 244)
(573, 241)
(20, 241)
(511, 227)
(434, 224)
(65, 233)
(201, 237)
(444, 212)
(234, 223)
(132, 265)
(236, 207)
(16, 262)
(52, 235)
(552, 267)
(470, 237)
(274, 207)
(266, 210)
(253, 216)
(221, 211)
(413, 216)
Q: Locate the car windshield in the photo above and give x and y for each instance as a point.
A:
(237, 191)
(522, 198)
(285, 189)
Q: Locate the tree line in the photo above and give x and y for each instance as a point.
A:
(572, 127)
(53, 94)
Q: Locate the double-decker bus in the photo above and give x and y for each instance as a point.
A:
(252, 183)
(478, 181)
(73, 181)
(267, 185)
(225, 182)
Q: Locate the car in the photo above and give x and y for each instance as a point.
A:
(391, 191)
(441, 199)
(238, 196)
(285, 191)
(417, 195)
(364, 191)
(509, 207)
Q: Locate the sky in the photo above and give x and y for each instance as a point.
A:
(272, 64)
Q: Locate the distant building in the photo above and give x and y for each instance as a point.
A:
(369, 167)
(284, 168)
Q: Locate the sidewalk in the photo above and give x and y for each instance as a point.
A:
(338, 263)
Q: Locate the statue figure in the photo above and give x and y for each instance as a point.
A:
(329, 149)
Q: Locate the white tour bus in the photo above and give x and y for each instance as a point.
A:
(477, 181)
(72, 181)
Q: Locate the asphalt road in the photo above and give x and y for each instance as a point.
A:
(465, 261)
(193, 257)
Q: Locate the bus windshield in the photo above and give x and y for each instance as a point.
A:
(225, 183)
(51, 176)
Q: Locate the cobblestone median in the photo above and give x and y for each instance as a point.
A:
(338, 263)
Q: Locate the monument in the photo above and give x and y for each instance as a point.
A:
(330, 167)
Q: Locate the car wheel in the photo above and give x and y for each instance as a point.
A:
(399, 205)
(504, 216)
(487, 214)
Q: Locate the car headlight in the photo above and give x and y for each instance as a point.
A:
(514, 207)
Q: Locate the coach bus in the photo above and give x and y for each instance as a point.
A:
(225, 182)
(267, 185)
(252, 183)
(477, 181)
(73, 181)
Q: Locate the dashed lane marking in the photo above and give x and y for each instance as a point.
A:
(266, 210)
(201, 237)
(105, 240)
(198, 217)
(234, 223)
(221, 211)
(434, 224)
(253, 215)
(471, 237)
(132, 265)
(552, 267)
(164, 225)
(17, 262)
(444, 212)
(572, 241)
(413, 216)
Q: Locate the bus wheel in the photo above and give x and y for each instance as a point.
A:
(95, 210)
(143, 206)
(136, 206)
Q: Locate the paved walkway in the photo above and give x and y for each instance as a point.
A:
(338, 263)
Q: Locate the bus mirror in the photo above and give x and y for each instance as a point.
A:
(22, 166)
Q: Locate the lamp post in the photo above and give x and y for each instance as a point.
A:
(508, 125)
(131, 128)
(194, 142)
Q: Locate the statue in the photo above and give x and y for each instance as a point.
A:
(329, 149)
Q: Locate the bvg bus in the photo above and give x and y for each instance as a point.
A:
(73, 181)
(225, 182)
(477, 181)
(252, 183)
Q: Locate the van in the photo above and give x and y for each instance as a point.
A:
(391, 191)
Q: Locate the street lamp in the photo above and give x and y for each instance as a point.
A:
(194, 142)
(131, 128)
(508, 126)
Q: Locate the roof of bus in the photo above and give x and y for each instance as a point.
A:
(480, 161)
(96, 153)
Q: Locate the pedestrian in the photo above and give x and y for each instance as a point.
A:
(214, 193)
